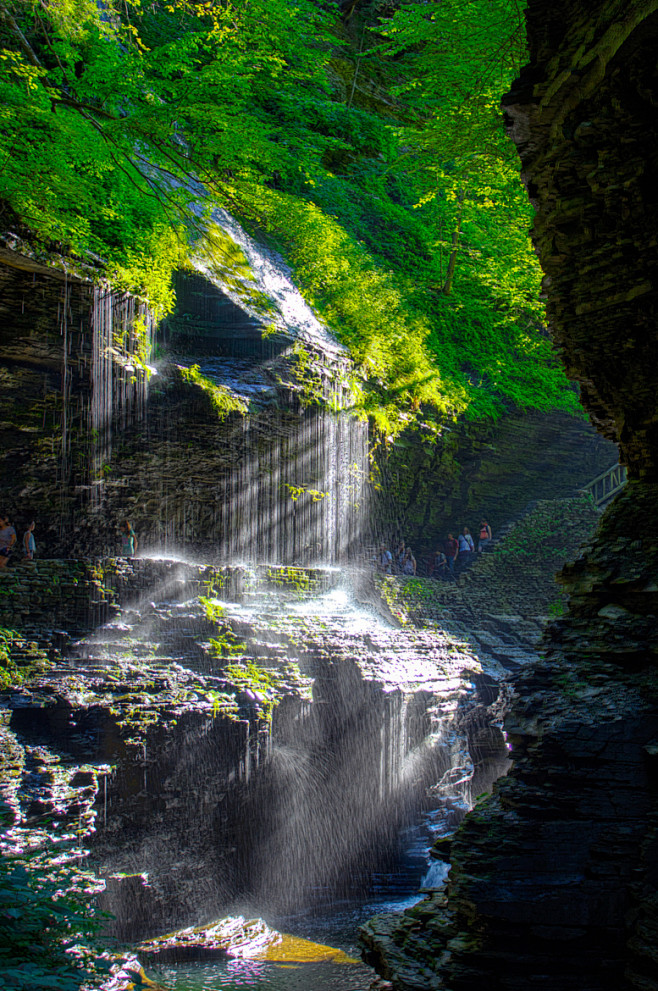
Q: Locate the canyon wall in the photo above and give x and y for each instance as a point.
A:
(213, 439)
(554, 880)
(258, 754)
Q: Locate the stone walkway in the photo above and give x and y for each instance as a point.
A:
(502, 603)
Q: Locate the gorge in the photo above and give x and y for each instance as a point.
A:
(248, 718)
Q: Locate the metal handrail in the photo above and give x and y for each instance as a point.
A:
(608, 484)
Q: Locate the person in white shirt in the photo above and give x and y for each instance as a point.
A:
(466, 546)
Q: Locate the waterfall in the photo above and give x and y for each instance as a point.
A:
(286, 482)
(299, 498)
(303, 500)
(63, 320)
(266, 275)
(121, 341)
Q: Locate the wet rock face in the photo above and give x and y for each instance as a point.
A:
(491, 470)
(266, 748)
(90, 436)
(583, 116)
(73, 383)
(554, 879)
(88, 439)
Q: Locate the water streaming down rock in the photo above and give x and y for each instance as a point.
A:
(299, 498)
(212, 806)
(121, 342)
(286, 481)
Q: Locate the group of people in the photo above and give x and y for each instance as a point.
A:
(457, 552)
(447, 560)
(9, 543)
(400, 562)
(8, 540)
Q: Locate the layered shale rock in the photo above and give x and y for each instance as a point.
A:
(222, 431)
(243, 735)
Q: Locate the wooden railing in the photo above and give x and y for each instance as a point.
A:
(605, 487)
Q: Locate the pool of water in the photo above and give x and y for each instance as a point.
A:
(337, 928)
(266, 976)
(334, 924)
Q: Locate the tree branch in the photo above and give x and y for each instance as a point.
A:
(33, 59)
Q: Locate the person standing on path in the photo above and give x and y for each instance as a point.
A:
(485, 536)
(29, 543)
(452, 549)
(128, 540)
(440, 568)
(7, 540)
(384, 560)
(466, 546)
(409, 563)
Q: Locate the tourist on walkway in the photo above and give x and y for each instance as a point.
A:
(7, 540)
(440, 567)
(384, 560)
(400, 551)
(409, 563)
(485, 536)
(466, 547)
(128, 540)
(29, 543)
(452, 549)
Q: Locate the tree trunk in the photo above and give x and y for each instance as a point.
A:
(452, 262)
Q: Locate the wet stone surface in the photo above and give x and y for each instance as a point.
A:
(196, 725)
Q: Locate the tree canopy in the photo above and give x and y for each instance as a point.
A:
(369, 150)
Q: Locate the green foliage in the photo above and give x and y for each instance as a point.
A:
(558, 608)
(19, 658)
(365, 306)
(397, 201)
(225, 644)
(214, 611)
(265, 684)
(95, 100)
(297, 580)
(296, 491)
(222, 399)
(308, 377)
(47, 922)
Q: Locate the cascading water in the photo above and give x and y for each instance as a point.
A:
(286, 481)
(121, 335)
(299, 498)
(314, 818)
(231, 790)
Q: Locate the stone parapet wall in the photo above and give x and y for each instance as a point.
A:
(47, 595)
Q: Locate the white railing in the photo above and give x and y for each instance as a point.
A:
(604, 487)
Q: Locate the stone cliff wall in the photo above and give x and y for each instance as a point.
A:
(250, 456)
(74, 381)
(253, 750)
